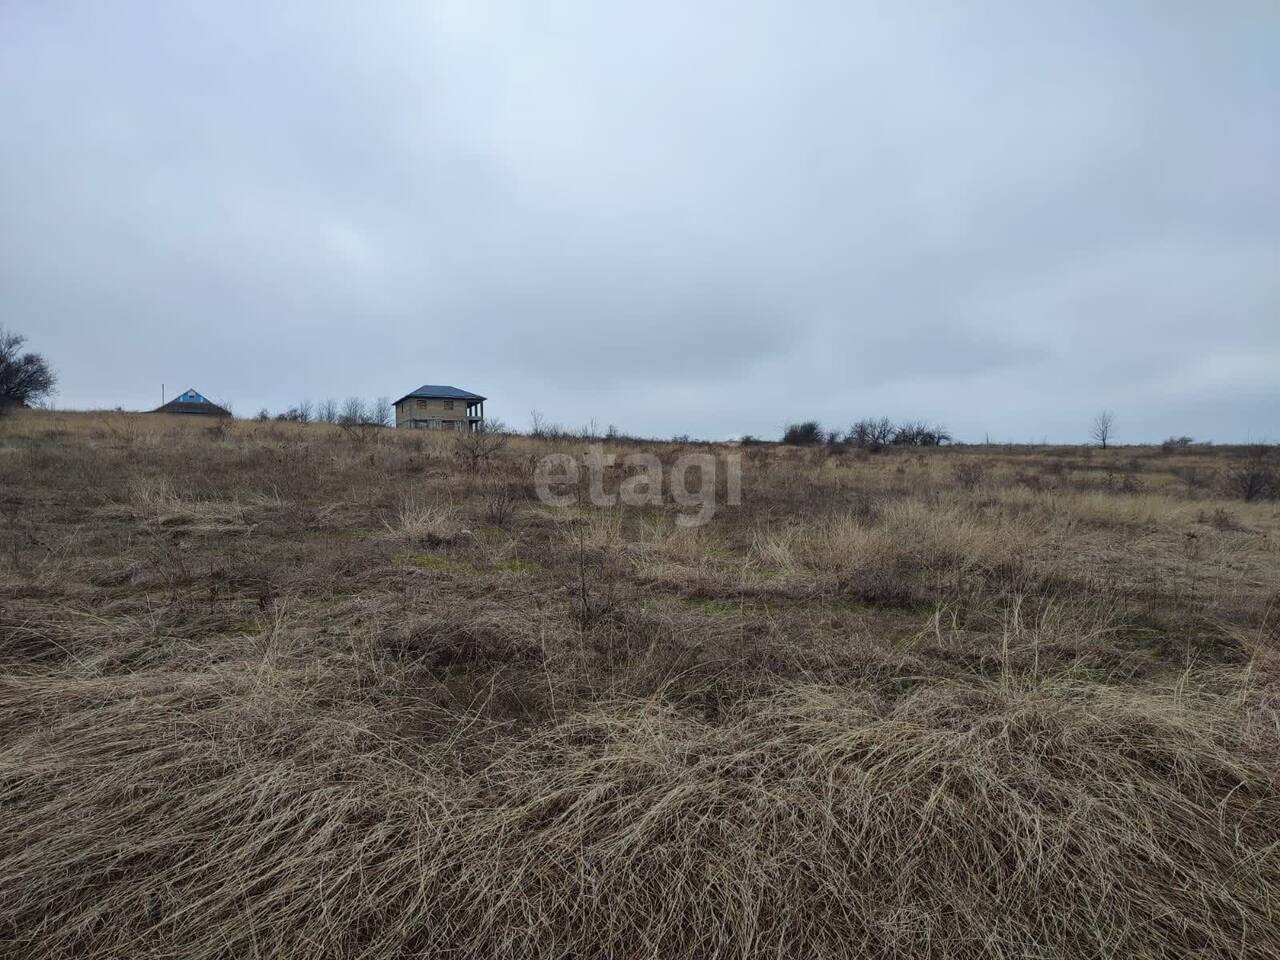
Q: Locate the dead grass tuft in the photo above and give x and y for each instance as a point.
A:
(959, 820)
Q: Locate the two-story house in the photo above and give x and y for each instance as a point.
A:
(440, 408)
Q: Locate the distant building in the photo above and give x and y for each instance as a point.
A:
(440, 408)
(193, 401)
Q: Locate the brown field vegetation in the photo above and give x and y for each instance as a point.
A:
(278, 690)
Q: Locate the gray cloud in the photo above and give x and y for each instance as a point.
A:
(680, 218)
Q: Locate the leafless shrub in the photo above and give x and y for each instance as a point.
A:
(478, 448)
(593, 594)
(1256, 476)
(1175, 444)
(499, 505)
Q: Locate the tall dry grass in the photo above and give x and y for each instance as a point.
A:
(229, 815)
(261, 696)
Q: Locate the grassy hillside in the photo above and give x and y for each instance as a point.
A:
(283, 690)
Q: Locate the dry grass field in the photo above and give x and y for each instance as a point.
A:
(279, 690)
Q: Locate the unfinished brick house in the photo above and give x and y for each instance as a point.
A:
(440, 408)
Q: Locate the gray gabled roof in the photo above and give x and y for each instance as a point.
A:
(434, 392)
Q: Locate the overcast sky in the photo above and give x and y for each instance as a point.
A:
(690, 217)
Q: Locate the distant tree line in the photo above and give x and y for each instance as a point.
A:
(873, 434)
(354, 411)
(543, 429)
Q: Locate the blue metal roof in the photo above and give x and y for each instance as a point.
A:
(434, 392)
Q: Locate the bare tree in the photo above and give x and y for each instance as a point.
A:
(380, 412)
(537, 424)
(917, 433)
(25, 378)
(804, 434)
(1100, 432)
(306, 412)
(360, 421)
(871, 433)
(353, 412)
(540, 426)
(327, 411)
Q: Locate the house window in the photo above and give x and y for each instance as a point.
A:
(422, 404)
(448, 404)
